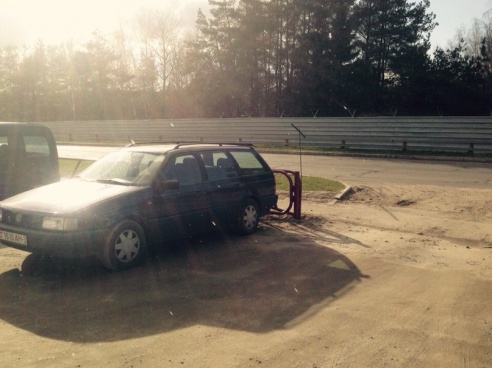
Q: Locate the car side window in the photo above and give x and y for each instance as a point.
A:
(183, 168)
(36, 155)
(36, 145)
(218, 166)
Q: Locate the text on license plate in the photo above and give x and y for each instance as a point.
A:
(13, 237)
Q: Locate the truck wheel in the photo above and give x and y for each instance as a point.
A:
(124, 247)
(248, 218)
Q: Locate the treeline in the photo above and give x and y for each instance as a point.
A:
(254, 58)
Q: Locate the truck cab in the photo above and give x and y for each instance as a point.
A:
(28, 158)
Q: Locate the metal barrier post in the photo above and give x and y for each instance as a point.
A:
(295, 194)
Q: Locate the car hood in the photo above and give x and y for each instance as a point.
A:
(68, 196)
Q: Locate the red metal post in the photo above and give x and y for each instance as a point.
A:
(297, 195)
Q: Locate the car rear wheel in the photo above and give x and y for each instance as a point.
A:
(248, 218)
(124, 247)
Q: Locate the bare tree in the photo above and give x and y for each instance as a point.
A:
(9, 68)
(158, 34)
(124, 73)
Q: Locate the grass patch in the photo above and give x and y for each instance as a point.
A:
(311, 183)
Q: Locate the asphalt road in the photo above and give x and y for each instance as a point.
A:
(354, 171)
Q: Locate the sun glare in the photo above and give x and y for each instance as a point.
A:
(56, 21)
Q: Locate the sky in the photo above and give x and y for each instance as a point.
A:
(22, 22)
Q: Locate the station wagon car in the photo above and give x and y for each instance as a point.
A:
(137, 197)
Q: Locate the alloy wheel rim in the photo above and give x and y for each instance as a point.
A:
(250, 217)
(127, 246)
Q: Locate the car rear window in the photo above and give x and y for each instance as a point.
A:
(248, 162)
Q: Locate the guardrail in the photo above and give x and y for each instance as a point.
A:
(450, 134)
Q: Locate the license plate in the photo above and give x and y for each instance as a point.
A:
(13, 237)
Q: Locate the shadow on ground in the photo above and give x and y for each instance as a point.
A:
(259, 283)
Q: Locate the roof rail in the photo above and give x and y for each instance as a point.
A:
(181, 144)
(243, 144)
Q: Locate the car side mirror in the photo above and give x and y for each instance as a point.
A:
(161, 186)
(170, 184)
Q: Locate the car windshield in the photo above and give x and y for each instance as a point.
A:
(124, 167)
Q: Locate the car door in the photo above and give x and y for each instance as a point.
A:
(183, 208)
(5, 167)
(41, 158)
(223, 184)
(28, 158)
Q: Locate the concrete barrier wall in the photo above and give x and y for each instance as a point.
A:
(456, 134)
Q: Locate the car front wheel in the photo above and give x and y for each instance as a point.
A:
(124, 246)
(248, 218)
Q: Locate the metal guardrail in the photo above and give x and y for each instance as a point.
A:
(451, 134)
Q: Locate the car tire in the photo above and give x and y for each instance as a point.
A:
(124, 247)
(248, 218)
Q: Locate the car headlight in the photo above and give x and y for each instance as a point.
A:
(60, 223)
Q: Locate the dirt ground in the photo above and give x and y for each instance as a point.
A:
(390, 277)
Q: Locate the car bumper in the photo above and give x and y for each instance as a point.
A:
(267, 203)
(62, 244)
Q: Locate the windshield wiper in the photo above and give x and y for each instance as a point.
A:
(114, 181)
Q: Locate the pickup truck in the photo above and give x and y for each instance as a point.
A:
(28, 157)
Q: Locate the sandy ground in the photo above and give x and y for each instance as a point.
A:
(391, 277)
